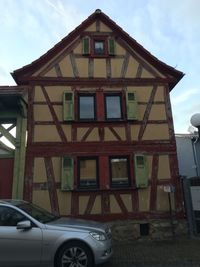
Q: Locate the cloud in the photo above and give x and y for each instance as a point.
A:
(188, 93)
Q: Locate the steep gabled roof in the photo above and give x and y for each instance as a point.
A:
(28, 70)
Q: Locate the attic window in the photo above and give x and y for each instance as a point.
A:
(99, 47)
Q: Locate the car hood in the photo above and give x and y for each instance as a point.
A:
(76, 224)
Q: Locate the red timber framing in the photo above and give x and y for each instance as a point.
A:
(121, 144)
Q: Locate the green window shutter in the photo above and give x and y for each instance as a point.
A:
(68, 106)
(141, 171)
(111, 46)
(67, 173)
(86, 45)
(132, 106)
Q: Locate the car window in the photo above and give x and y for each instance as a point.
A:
(10, 217)
(38, 213)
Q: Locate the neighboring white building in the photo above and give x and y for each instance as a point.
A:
(188, 151)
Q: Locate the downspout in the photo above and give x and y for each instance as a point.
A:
(195, 154)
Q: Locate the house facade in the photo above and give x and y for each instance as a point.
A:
(100, 142)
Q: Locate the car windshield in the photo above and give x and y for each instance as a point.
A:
(38, 213)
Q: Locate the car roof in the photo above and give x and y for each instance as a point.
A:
(13, 202)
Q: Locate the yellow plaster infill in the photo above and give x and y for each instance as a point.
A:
(66, 67)
(42, 113)
(132, 68)
(134, 132)
(78, 49)
(141, 111)
(127, 200)
(144, 199)
(144, 62)
(109, 136)
(59, 112)
(55, 93)
(51, 73)
(164, 168)
(46, 133)
(39, 171)
(80, 133)
(156, 132)
(83, 201)
(162, 199)
(100, 68)
(146, 74)
(96, 209)
(143, 92)
(91, 28)
(64, 202)
(39, 96)
(158, 112)
(56, 58)
(121, 132)
(82, 65)
(114, 206)
(116, 66)
(120, 51)
(41, 198)
(104, 28)
(93, 136)
(159, 96)
(67, 129)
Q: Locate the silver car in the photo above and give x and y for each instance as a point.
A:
(31, 236)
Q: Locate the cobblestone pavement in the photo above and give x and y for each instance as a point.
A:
(184, 252)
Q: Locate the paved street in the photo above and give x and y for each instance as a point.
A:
(182, 252)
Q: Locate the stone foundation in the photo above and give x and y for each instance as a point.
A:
(158, 229)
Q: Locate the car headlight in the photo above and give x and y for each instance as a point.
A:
(98, 236)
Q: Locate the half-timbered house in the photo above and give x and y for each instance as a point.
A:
(100, 141)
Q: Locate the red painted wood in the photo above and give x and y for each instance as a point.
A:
(154, 176)
(100, 106)
(90, 203)
(86, 82)
(6, 177)
(75, 203)
(104, 172)
(30, 116)
(51, 186)
(97, 148)
(28, 179)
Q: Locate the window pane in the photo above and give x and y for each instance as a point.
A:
(88, 172)
(113, 107)
(86, 107)
(99, 47)
(119, 171)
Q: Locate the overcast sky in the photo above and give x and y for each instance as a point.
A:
(169, 29)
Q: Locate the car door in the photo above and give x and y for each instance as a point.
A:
(18, 247)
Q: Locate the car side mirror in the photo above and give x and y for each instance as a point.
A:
(24, 225)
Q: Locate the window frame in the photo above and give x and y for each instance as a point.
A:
(94, 106)
(85, 187)
(118, 185)
(105, 106)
